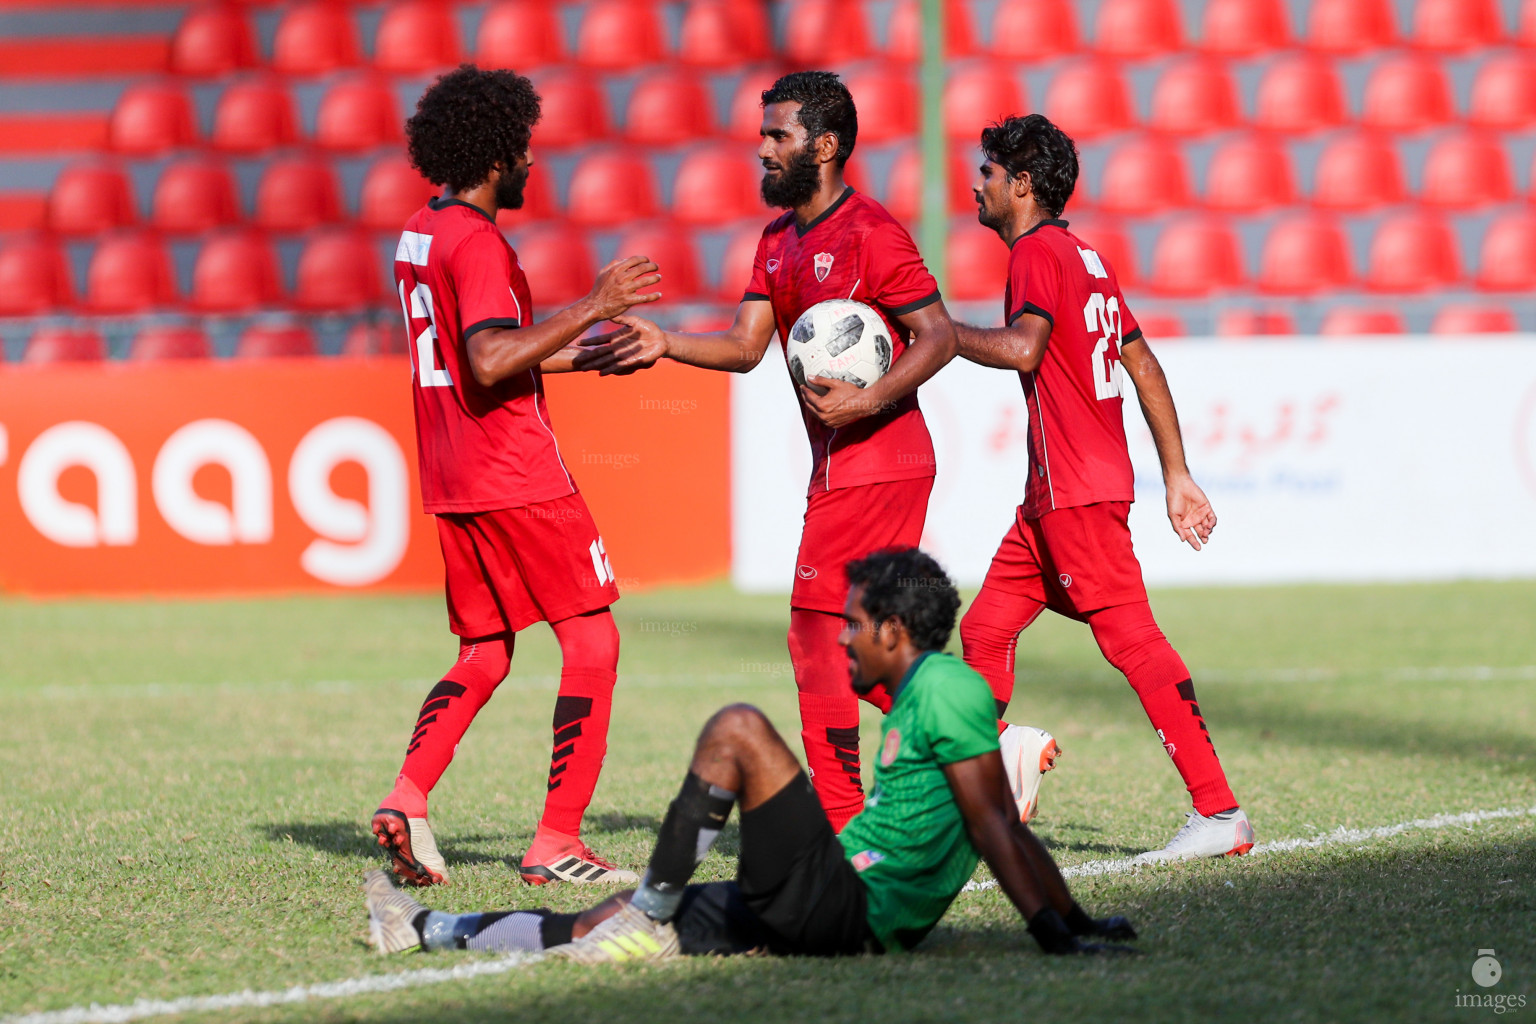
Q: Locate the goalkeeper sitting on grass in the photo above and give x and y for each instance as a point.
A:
(941, 801)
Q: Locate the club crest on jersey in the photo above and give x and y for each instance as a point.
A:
(773, 265)
(890, 748)
(823, 263)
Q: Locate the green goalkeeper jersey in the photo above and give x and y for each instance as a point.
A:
(909, 845)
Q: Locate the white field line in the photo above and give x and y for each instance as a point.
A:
(369, 984)
(1338, 837)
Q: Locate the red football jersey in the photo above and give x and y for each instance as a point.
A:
(1077, 452)
(855, 250)
(480, 448)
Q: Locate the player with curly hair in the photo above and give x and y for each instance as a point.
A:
(1068, 334)
(518, 542)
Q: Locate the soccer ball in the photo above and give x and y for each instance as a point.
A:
(840, 339)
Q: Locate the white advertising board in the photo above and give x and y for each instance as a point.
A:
(1326, 460)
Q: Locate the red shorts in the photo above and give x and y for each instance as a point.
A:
(844, 525)
(1072, 560)
(513, 567)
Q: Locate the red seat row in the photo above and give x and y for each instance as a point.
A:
(422, 35)
(1458, 318)
(165, 342)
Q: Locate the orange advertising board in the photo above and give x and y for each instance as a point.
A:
(288, 475)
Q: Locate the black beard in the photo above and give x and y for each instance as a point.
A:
(796, 183)
(509, 190)
(988, 219)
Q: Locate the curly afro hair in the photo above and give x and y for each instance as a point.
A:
(468, 121)
(908, 585)
(826, 105)
(1034, 145)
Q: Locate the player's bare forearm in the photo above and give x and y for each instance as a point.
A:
(497, 353)
(931, 347)
(980, 788)
(1020, 346)
(734, 350)
(1156, 405)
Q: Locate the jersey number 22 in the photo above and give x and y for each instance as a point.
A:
(1102, 317)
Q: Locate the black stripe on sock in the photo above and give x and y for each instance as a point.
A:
(571, 709)
(567, 734)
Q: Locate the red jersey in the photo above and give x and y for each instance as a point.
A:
(480, 448)
(854, 250)
(1077, 452)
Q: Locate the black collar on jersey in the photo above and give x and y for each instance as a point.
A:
(438, 203)
(801, 232)
(909, 674)
(1055, 222)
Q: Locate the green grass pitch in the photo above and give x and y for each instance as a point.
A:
(187, 788)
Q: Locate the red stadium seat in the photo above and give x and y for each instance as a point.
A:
(1350, 26)
(618, 34)
(672, 248)
(723, 33)
(716, 185)
(1525, 33)
(1145, 176)
(1249, 174)
(1106, 238)
(1455, 26)
(1160, 325)
(235, 272)
(611, 186)
(89, 198)
(338, 271)
(276, 341)
(195, 195)
(153, 344)
(823, 32)
(668, 106)
(358, 114)
(1137, 28)
(747, 105)
(736, 264)
(1358, 172)
(519, 34)
(375, 339)
(1196, 257)
(1088, 99)
(904, 187)
(1504, 93)
(1194, 97)
(64, 345)
(538, 201)
(978, 94)
(1034, 29)
(1242, 28)
(1462, 319)
(558, 261)
(1303, 256)
(315, 38)
(415, 36)
(129, 273)
(1413, 252)
(1299, 94)
(212, 41)
(574, 110)
(392, 191)
(151, 118)
(886, 98)
(906, 31)
(1406, 94)
(1467, 170)
(978, 266)
(1350, 320)
(1247, 323)
(254, 116)
(34, 276)
(1508, 257)
(297, 193)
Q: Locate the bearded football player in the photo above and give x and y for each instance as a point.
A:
(872, 458)
(1070, 334)
(518, 542)
(941, 803)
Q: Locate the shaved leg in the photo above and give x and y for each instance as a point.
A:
(740, 751)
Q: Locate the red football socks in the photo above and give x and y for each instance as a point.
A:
(989, 635)
(445, 714)
(829, 712)
(589, 645)
(1133, 643)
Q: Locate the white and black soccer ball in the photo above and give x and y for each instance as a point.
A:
(840, 339)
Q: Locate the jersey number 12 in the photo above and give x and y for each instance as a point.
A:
(427, 371)
(1102, 317)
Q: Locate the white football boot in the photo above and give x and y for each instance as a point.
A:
(629, 935)
(1028, 753)
(411, 847)
(1227, 834)
(391, 915)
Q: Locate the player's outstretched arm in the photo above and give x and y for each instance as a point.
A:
(1023, 866)
(736, 349)
(497, 353)
(1019, 346)
(933, 345)
(1189, 510)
